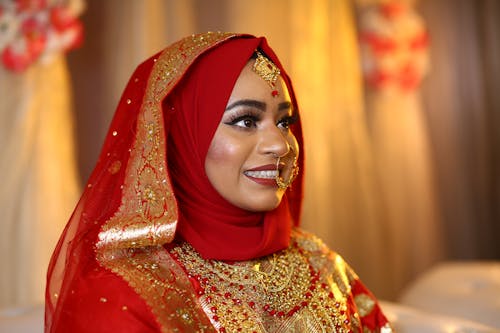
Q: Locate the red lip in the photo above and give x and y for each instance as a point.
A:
(264, 167)
(263, 181)
(268, 167)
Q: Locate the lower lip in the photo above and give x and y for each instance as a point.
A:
(264, 181)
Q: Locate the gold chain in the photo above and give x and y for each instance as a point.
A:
(260, 295)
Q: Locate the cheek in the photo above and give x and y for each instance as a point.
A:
(223, 154)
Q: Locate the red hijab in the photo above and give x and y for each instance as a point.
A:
(213, 226)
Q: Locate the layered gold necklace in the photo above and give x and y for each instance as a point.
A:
(282, 292)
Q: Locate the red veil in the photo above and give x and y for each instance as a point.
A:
(110, 271)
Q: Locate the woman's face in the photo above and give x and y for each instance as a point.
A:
(241, 162)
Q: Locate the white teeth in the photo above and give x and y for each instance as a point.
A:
(268, 174)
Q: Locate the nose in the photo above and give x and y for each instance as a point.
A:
(274, 142)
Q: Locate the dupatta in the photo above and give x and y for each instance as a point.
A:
(129, 209)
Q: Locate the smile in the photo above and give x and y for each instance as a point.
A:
(267, 174)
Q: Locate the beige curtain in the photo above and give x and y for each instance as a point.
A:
(39, 176)
(400, 137)
(341, 203)
(119, 35)
(462, 106)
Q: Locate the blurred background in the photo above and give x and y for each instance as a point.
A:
(399, 100)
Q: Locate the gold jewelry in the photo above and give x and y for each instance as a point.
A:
(268, 293)
(282, 183)
(267, 70)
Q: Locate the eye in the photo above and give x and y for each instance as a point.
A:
(286, 122)
(244, 121)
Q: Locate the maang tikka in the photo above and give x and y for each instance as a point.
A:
(267, 70)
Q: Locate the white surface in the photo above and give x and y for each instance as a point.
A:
(405, 319)
(461, 289)
(22, 320)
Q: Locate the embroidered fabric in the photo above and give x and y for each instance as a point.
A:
(298, 289)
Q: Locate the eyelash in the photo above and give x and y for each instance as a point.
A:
(235, 119)
(289, 120)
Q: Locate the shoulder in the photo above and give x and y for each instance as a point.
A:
(308, 241)
(324, 259)
(335, 269)
(101, 301)
(317, 250)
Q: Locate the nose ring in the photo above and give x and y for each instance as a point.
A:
(290, 149)
(280, 181)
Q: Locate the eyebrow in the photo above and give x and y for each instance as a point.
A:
(257, 105)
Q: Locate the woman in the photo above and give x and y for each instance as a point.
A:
(189, 222)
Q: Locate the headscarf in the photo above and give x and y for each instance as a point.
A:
(213, 226)
(129, 208)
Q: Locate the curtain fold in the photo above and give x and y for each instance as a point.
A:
(341, 203)
(40, 182)
(462, 110)
(394, 43)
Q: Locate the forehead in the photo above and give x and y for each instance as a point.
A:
(250, 85)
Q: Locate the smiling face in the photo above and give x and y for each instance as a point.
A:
(241, 162)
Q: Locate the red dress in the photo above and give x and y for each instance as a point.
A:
(304, 288)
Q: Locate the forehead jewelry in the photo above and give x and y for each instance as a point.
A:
(268, 71)
(284, 183)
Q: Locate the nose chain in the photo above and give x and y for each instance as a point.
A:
(280, 180)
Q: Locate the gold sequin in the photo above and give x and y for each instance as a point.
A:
(103, 299)
(115, 167)
(129, 101)
(115, 133)
(184, 315)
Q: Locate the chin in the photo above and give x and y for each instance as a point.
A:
(263, 203)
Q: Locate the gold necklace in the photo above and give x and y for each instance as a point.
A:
(264, 294)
